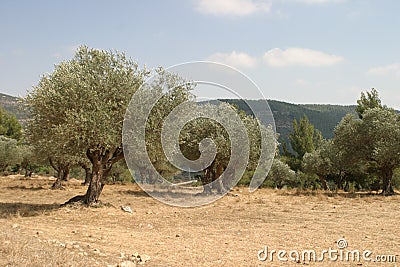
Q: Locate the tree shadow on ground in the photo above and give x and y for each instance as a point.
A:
(25, 209)
(22, 187)
(167, 193)
(134, 193)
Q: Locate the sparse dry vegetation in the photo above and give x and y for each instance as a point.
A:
(36, 231)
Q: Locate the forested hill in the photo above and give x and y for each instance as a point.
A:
(323, 117)
(12, 105)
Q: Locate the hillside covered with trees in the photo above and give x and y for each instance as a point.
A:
(324, 117)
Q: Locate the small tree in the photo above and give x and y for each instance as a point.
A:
(9, 152)
(29, 158)
(281, 175)
(320, 163)
(304, 139)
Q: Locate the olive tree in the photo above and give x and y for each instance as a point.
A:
(318, 162)
(9, 152)
(80, 108)
(373, 140)
(169, 91)
(201, 128)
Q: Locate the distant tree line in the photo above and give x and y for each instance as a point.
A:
(364, 153)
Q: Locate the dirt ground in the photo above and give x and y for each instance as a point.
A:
(36, 231)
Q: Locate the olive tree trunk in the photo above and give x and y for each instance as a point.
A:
(101, 166)
(62, 170)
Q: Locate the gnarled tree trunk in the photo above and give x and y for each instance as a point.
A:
(211, 174)
(101, 166)
(62, 170)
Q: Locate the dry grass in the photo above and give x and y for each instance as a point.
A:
(37, 232)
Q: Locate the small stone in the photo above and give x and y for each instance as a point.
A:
(126, 209)
(15, 225)
(178, 235)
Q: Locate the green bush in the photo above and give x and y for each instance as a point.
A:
(280, 175)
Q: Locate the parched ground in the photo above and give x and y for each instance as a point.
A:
(36, 231)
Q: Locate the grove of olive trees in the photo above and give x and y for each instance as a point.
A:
(77, 114)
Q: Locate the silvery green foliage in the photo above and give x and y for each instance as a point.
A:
(80, 106)
(325, 160)
(375, 138)
(10, 152)
(281, 175)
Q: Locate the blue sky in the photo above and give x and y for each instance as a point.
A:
(301, 51)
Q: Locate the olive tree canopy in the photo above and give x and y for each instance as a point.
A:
(79, 109)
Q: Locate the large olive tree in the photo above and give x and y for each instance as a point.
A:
(80, 106)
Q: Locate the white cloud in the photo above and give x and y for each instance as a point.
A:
(392, 69)
(299, 56)
(233, 7)
(312, 2)
(235, 59)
